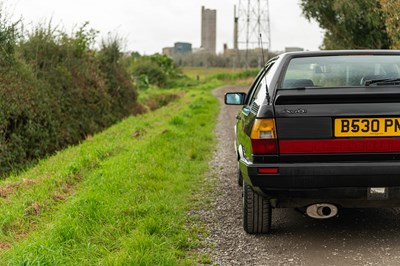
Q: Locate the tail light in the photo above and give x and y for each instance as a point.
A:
(263, 137)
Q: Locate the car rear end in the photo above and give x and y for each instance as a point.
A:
(328, 138)
(331, 139)
(320, 130)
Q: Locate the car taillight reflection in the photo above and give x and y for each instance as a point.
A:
(268, 170)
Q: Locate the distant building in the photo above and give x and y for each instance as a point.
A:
(182, 48)
(179, 48)
(168, 51)
(247, 58)
(209, 29)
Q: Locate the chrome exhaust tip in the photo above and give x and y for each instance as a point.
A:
(322, 211)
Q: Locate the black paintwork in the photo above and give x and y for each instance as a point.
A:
(308, 113)
(304, 128)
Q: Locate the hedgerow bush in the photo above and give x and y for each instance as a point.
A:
(118, 82)
(158, 70)
(55, 90)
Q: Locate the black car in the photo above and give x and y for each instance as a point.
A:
(319, 131)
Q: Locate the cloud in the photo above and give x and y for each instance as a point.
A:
(150, 25)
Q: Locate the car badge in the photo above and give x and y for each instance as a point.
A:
(293, 112)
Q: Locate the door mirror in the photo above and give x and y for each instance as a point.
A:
(235, 98)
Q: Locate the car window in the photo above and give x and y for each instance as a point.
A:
(259, 94)
(254, 88)
(339, 71)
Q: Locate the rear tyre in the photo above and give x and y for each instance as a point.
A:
(257, 212)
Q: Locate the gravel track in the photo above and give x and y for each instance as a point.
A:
(355, 237)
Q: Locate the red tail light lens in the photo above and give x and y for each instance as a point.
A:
(263, 137)
(264, 146)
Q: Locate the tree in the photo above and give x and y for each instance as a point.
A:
(390, 9)
(357, 24)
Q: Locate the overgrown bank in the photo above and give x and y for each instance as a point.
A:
(56, 89)
(120, 198)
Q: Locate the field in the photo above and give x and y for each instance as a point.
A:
(119, 198)
(236, 76)
(205, 72)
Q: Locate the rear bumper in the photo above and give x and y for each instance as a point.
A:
(343, 184)
(325, 175)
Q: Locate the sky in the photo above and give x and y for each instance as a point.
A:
(146, 26)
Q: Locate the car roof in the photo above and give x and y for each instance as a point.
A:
(339, 52)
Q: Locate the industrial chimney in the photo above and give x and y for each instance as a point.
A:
(235, 31)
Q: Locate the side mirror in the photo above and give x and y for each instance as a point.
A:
(235, 98)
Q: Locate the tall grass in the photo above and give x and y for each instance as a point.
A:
(120, 198)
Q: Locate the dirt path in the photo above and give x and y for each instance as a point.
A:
(355, 237)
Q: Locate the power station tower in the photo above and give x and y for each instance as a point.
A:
(251, 20)
(208, 29)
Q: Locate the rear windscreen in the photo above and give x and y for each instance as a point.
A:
(341, 71)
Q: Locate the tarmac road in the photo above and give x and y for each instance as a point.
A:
(355, 237)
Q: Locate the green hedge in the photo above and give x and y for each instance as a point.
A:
(55, 90)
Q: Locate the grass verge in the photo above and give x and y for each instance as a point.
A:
(120, 198)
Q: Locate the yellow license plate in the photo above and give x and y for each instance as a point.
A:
(367, 127)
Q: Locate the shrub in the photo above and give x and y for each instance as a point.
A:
(118, 82)
(150, 71)
(158, 70)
